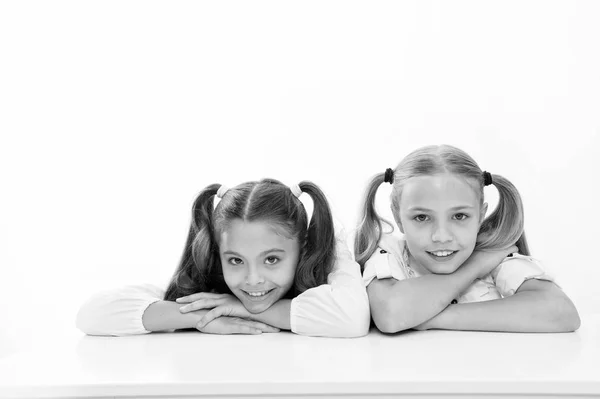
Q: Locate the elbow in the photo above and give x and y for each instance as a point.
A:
(91, 318)
(87, 321)
(385, 326)
(357, 321)
(389, 326)
(354, 328)
(84, 321)
(386, 319)
(575, 323)
(560, 314)
(568, 316)
(390, 315)
(359, 325)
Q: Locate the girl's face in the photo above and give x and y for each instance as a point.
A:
(259, 263)
(440, 216)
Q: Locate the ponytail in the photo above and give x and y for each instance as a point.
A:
(318, 253)
(369, 229)
(505, 226)
(200, 265)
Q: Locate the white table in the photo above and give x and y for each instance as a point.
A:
(420, 364)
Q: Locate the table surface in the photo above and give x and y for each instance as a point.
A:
(287, 365)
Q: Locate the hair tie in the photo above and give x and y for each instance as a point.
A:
(222, 190)
(296, 190)
(487, 178)
(389, 176)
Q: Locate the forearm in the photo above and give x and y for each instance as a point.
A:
(401, 305)
(526, 311)
(165, 315)
(278, 315)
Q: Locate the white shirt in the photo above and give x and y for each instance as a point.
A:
(339, 308)
(390, 260)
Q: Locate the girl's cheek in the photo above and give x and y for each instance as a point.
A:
(232, 275)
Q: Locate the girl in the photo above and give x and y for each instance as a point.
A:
(453, 267)
(255, 260)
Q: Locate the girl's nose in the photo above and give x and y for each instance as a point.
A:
(254, 277)
(441, 233)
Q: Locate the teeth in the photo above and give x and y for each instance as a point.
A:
(261, 293)
(442, 253)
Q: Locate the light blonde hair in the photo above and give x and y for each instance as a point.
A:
(502, 228)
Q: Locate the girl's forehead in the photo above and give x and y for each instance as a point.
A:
(242, 234)
(434, 191)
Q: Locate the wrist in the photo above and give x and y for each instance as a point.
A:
(165, 315)
(466, 274)
(278, 315)
(442, 320)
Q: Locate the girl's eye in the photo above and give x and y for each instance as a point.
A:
(460, 216)
(235, 261)
(421, 218)
(271, 260)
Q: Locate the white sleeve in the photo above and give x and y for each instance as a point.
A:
(515, 270)
(339, 308)
(118, 311)
(381, 265)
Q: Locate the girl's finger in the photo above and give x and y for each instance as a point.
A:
(243, 329)
(189, 298)
(211, 315)
(271, 329)
(200, 304)
(262, 326)
(198, 296)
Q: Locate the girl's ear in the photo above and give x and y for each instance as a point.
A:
(484, 208)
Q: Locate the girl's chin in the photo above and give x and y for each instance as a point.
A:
(254, 307)
(259, 304)
(441, 269)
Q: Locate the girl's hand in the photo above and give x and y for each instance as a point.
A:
(236, 325)
(484, 261)
(231, 308)
(204, 300)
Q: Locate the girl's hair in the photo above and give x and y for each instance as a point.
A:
(269, 201)
(501, 229)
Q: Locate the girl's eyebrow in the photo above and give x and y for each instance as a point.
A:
(462, 207)
(271, 250)
(418, 208)
(454, 208)
(261, 254)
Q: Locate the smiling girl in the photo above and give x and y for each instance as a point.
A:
(453, 268)
(251, 264)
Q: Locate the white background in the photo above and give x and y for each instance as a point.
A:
(115, 114)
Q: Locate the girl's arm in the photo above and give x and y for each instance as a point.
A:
(165, 315)
(118, 311)
(214, 306)
(537, 306)
(337, 309)
(139, 309)
(278, 315)
(398, 305)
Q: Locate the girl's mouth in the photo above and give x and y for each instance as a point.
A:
(442, 256)
(257, 295)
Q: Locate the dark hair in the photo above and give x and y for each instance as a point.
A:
(267, 200)
(503, 228)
